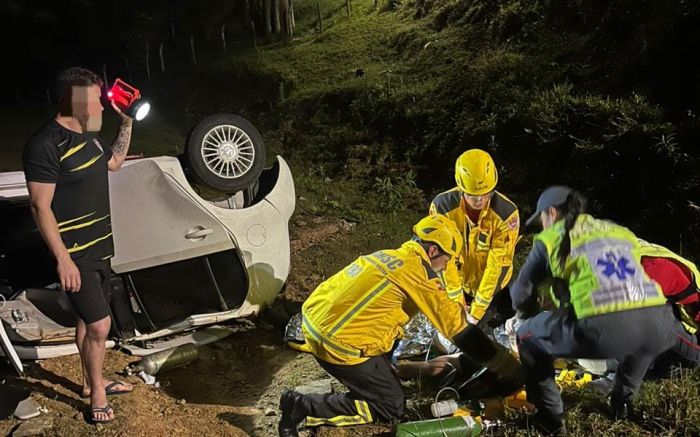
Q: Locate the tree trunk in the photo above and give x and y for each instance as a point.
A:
(291, 14)
(266, 17)
(255, 40)
(347, 6)
(104, 74)
(128, 70)
(162, 58)
(172, 28)
(320, 20)
(284, 16)
(223, 36)
(194, 53)
(48, 94)
(246, 11)
(254, 9)
(276, 15)
(148, 59)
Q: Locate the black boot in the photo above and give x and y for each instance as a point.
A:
(549, 424)
(619, 407)
(293, 412)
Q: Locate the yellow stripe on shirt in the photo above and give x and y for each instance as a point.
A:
(75, 219)
(88, 164)
(82, 225)
(72, 150)
(77, 248)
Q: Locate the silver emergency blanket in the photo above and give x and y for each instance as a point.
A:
(292, 332)
(420, 335)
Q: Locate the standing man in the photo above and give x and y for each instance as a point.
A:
(66, 171)
(489, 222)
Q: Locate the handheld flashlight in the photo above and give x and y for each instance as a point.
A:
(128, 100)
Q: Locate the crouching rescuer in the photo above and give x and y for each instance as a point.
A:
(351, 321)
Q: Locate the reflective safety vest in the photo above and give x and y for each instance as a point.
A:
(603, 269)
(360, 311)
(486, 263)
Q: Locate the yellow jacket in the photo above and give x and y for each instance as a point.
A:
(486, 263)
(359, 312)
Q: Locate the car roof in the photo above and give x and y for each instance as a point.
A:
(13, 186)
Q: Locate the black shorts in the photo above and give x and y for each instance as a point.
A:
(91, 303)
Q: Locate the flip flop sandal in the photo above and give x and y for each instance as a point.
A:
(90, 413)
(111, 391)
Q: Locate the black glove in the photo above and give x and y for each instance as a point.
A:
(485, 352)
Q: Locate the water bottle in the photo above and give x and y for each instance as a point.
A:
(165, 360)
(460, 426)
(444, 408)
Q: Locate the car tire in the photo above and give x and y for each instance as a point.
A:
(225, 152)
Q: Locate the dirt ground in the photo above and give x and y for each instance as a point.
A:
(233, 388)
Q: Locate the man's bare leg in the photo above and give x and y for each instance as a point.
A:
(93, 353)
(427, 369)
(79, 339)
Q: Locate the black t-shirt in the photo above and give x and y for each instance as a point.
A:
(77, 164)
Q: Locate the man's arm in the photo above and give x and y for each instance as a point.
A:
(499, 265)
(453, 276)
(41, 196)
(120, 146)
(447, 315)
(534, 271)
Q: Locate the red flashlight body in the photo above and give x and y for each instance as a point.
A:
(123, 94)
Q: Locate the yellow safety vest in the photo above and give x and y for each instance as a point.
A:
(603, 269)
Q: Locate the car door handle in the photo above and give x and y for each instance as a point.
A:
(199, 234)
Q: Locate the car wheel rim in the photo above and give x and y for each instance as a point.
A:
(228, 151)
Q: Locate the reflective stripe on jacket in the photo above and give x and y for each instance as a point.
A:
(603, 269)
(486, 263)
(360, 311)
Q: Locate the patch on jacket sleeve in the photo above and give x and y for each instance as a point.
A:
(513, 223)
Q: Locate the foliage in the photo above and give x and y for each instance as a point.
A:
(399, 193)
(549, 87)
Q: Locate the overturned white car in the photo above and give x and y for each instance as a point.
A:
(180, 261)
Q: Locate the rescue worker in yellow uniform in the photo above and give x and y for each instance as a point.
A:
(608, 307)
(352, 320)
(489, 222)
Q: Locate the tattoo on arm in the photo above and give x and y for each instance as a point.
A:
(121, 144)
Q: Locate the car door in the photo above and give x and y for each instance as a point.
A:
(156, 221)
(9, 351)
